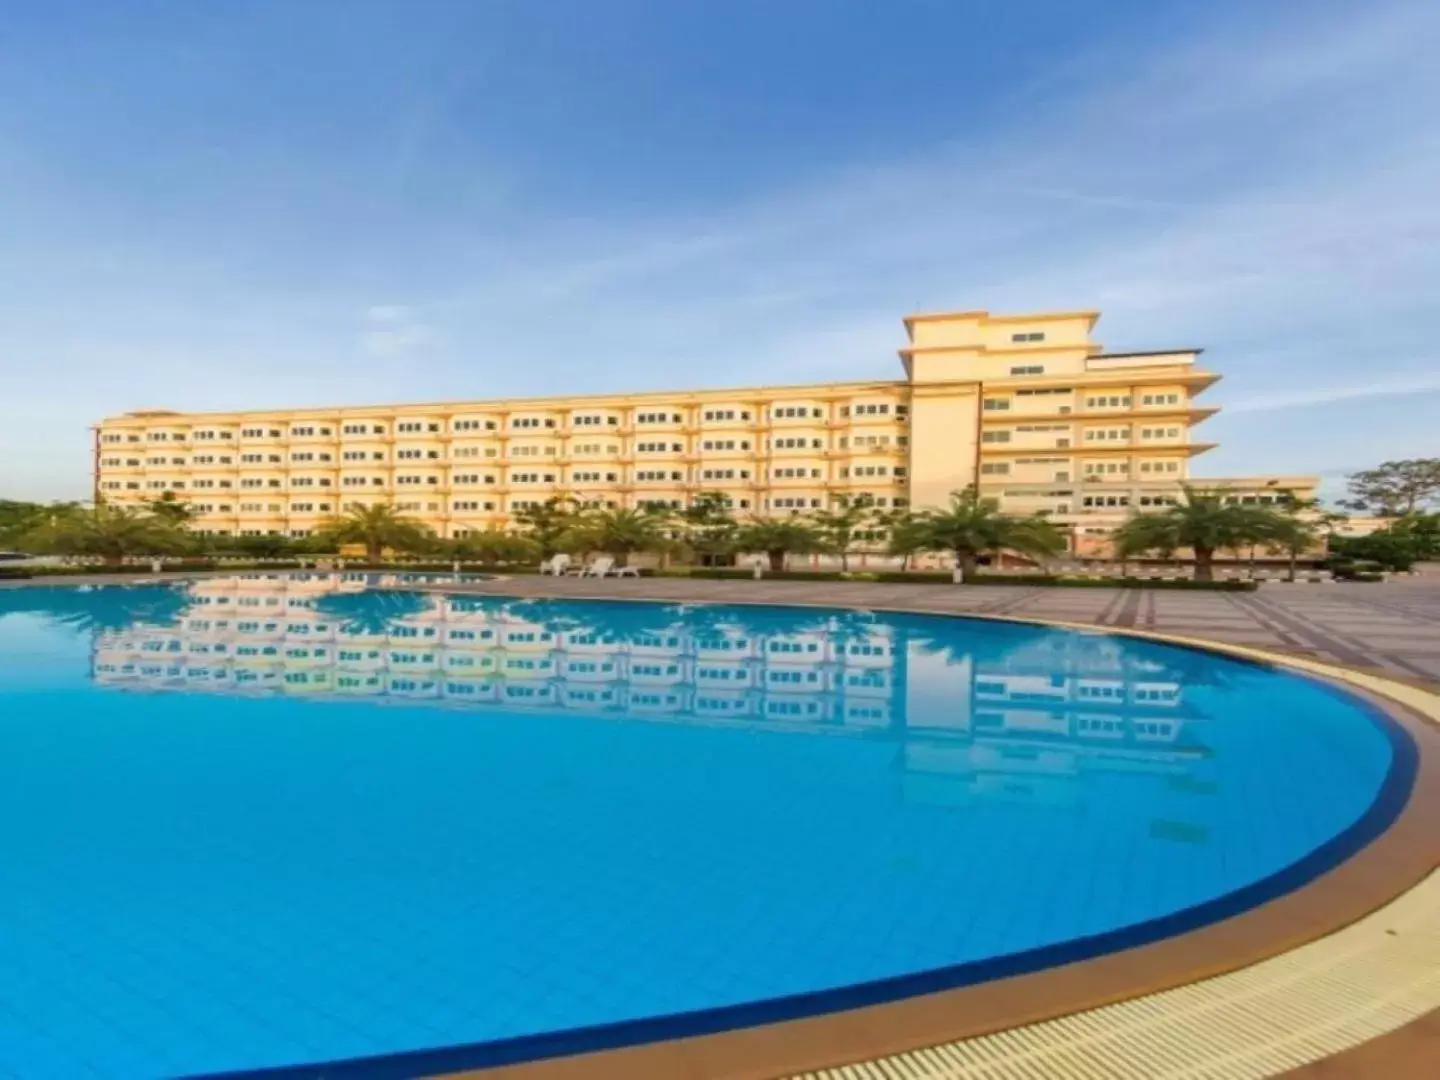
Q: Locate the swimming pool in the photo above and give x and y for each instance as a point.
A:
(253, 823)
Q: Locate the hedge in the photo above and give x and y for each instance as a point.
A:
(932, 577)
(889, 577)
(166, 567)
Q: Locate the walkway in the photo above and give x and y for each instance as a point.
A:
(1392, 628)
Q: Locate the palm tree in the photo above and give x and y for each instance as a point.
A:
(623, 532)
(496, 546)
(547, 523)
(837, 526)
(1204, 522)
(1294, 535)
(111, 532)
(709, 526)
(170, 507)
(778, 537)
(972, 526)
(269, 546)
(903, 533)
(378, 527)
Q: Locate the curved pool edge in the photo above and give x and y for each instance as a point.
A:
(1382, 855)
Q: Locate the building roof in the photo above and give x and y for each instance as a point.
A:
(1145, 352)
(1039, 316)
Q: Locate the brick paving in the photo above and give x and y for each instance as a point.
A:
(1392, 627)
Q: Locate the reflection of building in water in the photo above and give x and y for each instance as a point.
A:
(1019, 718)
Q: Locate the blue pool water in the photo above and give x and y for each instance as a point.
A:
(261, 822)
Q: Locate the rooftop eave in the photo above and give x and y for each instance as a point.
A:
(1092, 317)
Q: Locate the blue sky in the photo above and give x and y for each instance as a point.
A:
(209, 206)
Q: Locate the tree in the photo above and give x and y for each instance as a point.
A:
(1394, 488)
(170, 507)
(22, 520)
(496, 546)
(621, 533)
(1406, 541)
(378, 527)
(111, 532)
(1204, 522)
(1314, 511)
(1422, 531)
(269, 546)
(778, 537)
(972, 526)
(548, 522)
(1295, 534)
(837, 526)
(709, 526)
(903, 531)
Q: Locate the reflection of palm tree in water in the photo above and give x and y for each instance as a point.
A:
(105, 609)
(373, 612)
(618, 622)
(554, 617)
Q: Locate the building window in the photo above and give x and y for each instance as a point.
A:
(1029, 336)
(995, 468)
(997, 404)
(1028, 369)
(995, 436)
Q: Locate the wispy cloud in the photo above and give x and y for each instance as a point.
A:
(392, 331)
(1264, 186)
(1251, 188)
(1303, 399)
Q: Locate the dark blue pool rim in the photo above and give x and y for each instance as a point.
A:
(1382, 813)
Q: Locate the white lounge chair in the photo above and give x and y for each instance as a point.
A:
(555, 565)
(604, 565)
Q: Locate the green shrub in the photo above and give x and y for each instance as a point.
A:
(942, 577)
(1347, 569)
(14, 573)
(1385, 549)
(914, 577)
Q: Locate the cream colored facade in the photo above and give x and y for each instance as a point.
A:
(1030, 408)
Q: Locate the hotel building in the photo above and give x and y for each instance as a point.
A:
(1029, 408)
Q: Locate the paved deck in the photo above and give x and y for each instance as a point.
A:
(1392, 627)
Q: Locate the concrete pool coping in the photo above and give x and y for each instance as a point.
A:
(1390, 866)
